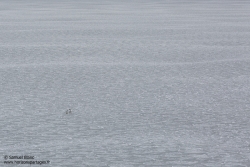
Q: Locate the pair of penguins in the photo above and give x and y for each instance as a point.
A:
(68, 111)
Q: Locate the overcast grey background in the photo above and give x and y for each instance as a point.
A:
(150, 83)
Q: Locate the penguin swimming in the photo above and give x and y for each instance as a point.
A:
(68, 111)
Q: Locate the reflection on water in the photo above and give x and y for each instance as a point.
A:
(149, 84)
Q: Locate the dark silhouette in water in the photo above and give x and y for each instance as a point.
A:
(68, 111)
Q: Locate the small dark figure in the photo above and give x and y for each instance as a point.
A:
(70, 111)
(67, 112)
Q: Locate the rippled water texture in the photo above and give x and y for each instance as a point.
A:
(150, 83)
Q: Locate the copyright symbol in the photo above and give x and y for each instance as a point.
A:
(6, 157)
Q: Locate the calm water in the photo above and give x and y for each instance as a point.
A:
(150, 83)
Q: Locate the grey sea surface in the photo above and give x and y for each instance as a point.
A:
(150, 83)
